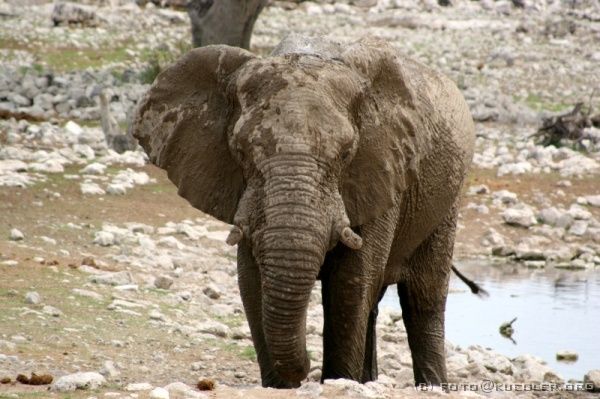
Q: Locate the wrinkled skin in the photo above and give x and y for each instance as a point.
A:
(294, 150)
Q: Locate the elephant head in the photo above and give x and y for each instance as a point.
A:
(293, 150)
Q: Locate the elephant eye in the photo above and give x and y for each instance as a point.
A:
(346, 155)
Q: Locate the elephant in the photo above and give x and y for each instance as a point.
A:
(334, 162)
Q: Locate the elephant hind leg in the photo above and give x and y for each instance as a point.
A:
(370, 364)
(423, 300)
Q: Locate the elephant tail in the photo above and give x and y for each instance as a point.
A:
(475, 288)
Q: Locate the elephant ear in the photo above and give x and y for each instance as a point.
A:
(385, 119)
(182, 123)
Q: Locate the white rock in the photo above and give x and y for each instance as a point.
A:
(310, 390)
(94, 169)
(214, 327)
(48, 240)
(139, 386)
(116, 189)
(179, 389)
(533, 369)
(87, 294)
(91, 189)
(156, 315)
(16, 235)
(593, 377)
(112, 278)
(159, 393)
(82, 380)
(73, 128)
(520, 216)
(12, 165)
(578, 228)
(109, 370)
(33, 298)
(518, 168)
(104, 238)
(505, 197)
(479, 189)
(52, 311)
(593, 200)
(579, 213)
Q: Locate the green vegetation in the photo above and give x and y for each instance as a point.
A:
(160, 58)
(249, 353)
(538, 103)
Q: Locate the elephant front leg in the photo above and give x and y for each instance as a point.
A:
(250, 291)
(352, 284)
(423, 300)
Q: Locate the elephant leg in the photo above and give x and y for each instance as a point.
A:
(423, 300)
(351, 285)
(250, 291)
(370, 363)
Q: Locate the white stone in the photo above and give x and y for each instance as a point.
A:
(94, 169)
(479, 189)
(88, 294)
(104, 238)
(116, 189)
(12, 165)
(549, 215)
(505, 197)
(518, 168)
(593, 377)
(179, 389)
(593, 200)
(73, 128)
(214, 327)
(578, 228)
(112, 278)
(16, 235)
(139, 386)
(33, 298)
(109, 370)
(533, 369)
(91, 189)
(82, 380)
(579, 213)
(520, 215)
(159, 393)
(310, 390)
(52, 311)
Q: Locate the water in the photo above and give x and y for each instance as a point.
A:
(555, 310)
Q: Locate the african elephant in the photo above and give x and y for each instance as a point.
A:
(338, 163)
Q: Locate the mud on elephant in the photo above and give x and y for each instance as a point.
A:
(342, 164)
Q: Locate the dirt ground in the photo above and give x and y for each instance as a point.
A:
(88, 333)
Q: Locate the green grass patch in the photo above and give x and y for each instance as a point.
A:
(70, 59)
(538, 103)
(160, 58)
(249, 353)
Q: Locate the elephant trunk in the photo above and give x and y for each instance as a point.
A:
(290, 253)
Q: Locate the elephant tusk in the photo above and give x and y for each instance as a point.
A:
(350, 238)
(235, 236)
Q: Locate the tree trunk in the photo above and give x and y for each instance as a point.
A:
(223, 21)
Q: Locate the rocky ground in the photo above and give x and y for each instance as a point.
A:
(113, 284)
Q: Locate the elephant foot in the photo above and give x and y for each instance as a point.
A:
(273, 380)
